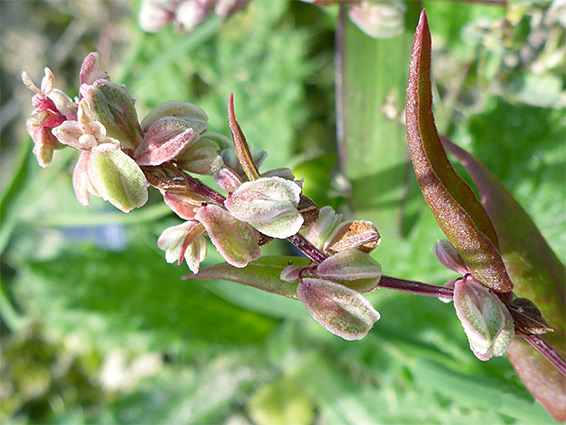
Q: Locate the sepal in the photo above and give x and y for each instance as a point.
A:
(341, 310)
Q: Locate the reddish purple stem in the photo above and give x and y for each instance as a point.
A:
(548, 352)
(416, 288)
(200, 188)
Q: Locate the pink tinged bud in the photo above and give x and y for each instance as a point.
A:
(225, 8)
(379, 20)
(47, 83)
(63, 103)
(321, 230)
(43, 139)
(81, 183)
(269, 204)
(71, 133)
(486, 320)
(227, 180)
(284, 173)
(231, 160)
(117, 177)
(155, 14)
(341, 310)
(111, 105)
(352, 268)
(353, 234)
(89, 70)
(201, 157)
(184, 241)
(184, 206)
(192, 12)
(164, 140)
(236, 241)
(449, 257)
(195, 117)
(291, 273)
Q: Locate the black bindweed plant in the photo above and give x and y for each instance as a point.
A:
(490, 243)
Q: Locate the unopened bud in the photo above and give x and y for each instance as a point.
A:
(379, 20)
(201, 157)
(269, 204)
(195, 117)
(445, 252)
(89, 70)
(111, 105)
(236, 241)
(184, 241)
(486, 320)
(321, 230)
(352, 268)
(164, 141)
(353, 234)
(341, 310)
(117, 177)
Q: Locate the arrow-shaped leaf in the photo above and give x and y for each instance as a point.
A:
(457, 211)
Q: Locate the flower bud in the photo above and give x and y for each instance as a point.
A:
(486, 320)
(291, 273)
(155, 14)
(379, 20)
(117, 177)
(164, 141)
(352, 268)
(227, 179)
(269, 204)
(353, 234)
(201, 157)
(341, 310)
(195, 117)
(184, 206)
(321, 230)
(236, 241)
(39, 128)
(112, 106)
(191, 13)
(445, 252)
(184, 241)
(89, 70)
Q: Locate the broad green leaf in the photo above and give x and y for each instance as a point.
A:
(371, 83)
(538, 275)
(458, 213)
(262, 274)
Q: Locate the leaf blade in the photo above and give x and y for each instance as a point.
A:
(458, 213)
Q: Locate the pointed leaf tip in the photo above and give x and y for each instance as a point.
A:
(459, 214)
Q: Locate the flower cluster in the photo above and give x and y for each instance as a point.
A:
(185, 14)
(378, 19)
(120, 157)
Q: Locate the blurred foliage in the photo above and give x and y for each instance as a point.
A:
(97, 328)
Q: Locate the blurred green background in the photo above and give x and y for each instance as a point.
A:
(97, 328)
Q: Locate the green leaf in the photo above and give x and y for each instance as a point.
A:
(262, 274)
(371, 81)
(458, 213)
